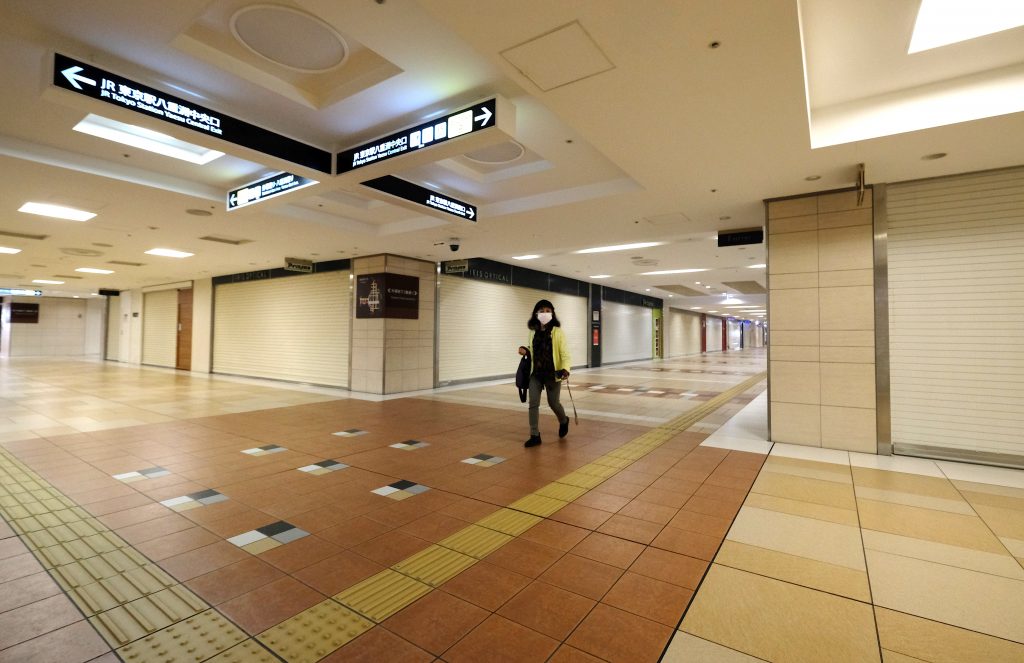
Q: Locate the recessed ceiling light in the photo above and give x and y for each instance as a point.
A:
(145, 139)
(934, 156)
(712, 311)
(647, 290)
(7, 249)
(724, 218)
(707, 286)
(619, 247)
(813, 178)
(697, 282)
(601, 276)
(756, 266)
(56, 211)
(47, 282)
(672, 271)
(944, 22)
(529, 256)
(93, 270)
(169, 253)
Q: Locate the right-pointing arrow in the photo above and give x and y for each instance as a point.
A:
(71, 73)
(484, 117)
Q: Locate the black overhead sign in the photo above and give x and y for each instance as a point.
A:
(268, 187)
(422, 196)
(85, 79)
(476, 118)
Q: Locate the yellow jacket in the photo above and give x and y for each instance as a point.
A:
(559, 350)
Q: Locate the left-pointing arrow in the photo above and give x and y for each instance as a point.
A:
(71, 73)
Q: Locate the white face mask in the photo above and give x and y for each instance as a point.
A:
(544, 318)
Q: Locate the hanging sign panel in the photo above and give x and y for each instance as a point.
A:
(268, 187)
(476, 118)
(420, 195)
(93, 82)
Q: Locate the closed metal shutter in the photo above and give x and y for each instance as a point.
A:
(294, 328)
(627, 332)
(482, 324)
(714, 334)
(956, 308)
(160, 328)
(683, 336)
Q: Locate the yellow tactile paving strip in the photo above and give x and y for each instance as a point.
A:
(143, 613)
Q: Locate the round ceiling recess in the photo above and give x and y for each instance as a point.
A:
(506, 152)
(289, 37)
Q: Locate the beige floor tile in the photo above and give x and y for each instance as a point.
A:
(686, 648)
(810, 469)
(967, 487)
(803, 537)
(1004, 522)
(1015, 546)
(941, 643)
(895, 657)
(777, 621)
(940, 526)
(797, 570)
(968, 599)
(806, 509)
(905, 483)
(941, 553)
(913, 499)
(816, 491)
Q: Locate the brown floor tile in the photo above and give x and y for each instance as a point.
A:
(687, 543)
(271, 604)
(112, 505)
(433, 527)
(379, 645)
(550, 610)
(500, 495)
(35, 619)
(353, 532)
(390, 548)
(567, 654)
(608, 549)
(486, 585)
(670, 498)
(655, 513)
(632, 529)
(233, 580)
(499, 640)
(712, 507)
(135, 515)
(76, 643)
(554, 534)
(26, 589)
(581, 516)
(299, 554)
(603, 634)
(469, 510)
(436, 621)
(319, 519)
(596, 499)
(109, 657)
(19, 566)
(196, 562)
(701, 523)
(524, 557)
(670, 567)
(582, 576)
(654, 599)
(338, 572)
(618, 488)
(174, 544)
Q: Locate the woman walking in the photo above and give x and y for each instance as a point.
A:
(549, 358)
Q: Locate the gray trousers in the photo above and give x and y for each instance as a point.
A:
(554, 390)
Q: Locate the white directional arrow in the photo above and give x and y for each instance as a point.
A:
(71, 73)
(471, 213)
(484, 117)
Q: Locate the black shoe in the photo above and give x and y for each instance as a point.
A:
(533, 441)
(563, 428)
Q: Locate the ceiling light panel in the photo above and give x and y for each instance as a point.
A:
(619, 247)
(169, 253)
(93, 270)
(7, 249)
(531, 256)
(945, 22)
(146, 139)
(47, 282)
(672, 271)
(56, 211)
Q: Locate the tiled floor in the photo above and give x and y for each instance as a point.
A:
(144, 507)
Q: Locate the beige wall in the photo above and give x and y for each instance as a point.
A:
(821, 316)
(392, 355)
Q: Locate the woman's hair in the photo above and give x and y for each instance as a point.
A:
(534, 323)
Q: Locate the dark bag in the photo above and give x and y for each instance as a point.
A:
(523, 377)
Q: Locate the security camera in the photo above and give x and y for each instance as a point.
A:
(453, 244)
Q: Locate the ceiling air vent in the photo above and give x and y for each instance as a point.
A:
(125, 262)
(226, 240)
(67, 276)
(89, 253)
(9, 233)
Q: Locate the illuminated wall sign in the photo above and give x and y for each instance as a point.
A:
(422, 196)
(268, 187)
(93, 82)
(18, 292)
(476, 118)
(298, 265)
